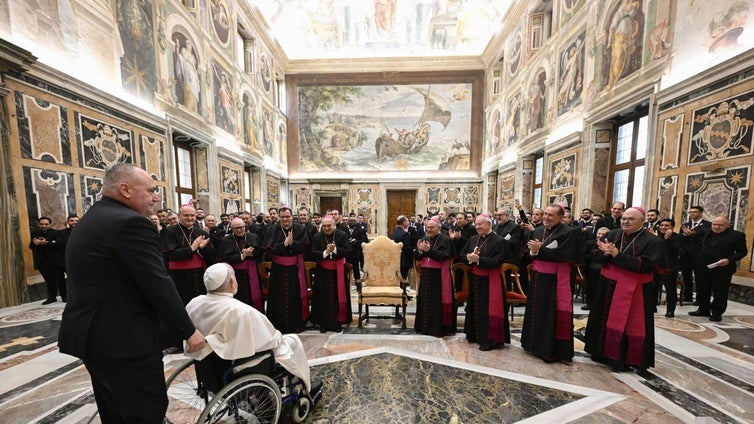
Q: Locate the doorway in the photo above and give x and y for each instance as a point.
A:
(329, 203)
(399, 202)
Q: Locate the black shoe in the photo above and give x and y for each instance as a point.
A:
(586, 308)
(669, 315)
(716, 318)
(48, 301)
(698, 313)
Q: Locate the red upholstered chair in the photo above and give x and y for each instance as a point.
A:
(514, 295)
(463, 294)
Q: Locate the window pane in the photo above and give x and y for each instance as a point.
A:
(638, 189)
(183, 199)
(240, 52)
(184, 168)
(641, 138)
(620, 186)
(538, 171)
(537, 198)
(623, 148)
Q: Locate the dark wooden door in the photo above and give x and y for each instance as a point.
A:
(399, 202)
(329, 203)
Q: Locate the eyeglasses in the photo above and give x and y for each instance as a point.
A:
(238, 228)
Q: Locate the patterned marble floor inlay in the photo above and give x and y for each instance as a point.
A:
(388, 385)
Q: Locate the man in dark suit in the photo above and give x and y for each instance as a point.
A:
(721, 249)
(47, 250)
(406, 235)
(356, 237)
(613, 220)
(122, 305)
(510, 232)
(692, 232)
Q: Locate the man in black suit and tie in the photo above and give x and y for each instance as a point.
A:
(721, 249)
(613, 220)
(692, 231)
(123, 308)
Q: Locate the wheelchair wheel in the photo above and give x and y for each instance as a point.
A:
(300, 409)
(186, 396)
(252, 398)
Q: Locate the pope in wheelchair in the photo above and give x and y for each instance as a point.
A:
(238, 333)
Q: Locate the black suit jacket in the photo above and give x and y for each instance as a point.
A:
(121, 301)
(730, 245)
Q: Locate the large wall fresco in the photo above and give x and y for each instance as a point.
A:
(137, 64)
(571, 75)
(624, 35)
(713, 31)
(385, 127)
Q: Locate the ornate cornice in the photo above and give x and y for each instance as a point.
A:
(511, 21)
(14, 58)
(264, 32)
(391, 64)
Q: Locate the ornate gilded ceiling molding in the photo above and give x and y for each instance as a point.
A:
(397, 64)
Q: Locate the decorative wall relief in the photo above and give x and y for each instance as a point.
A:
(495, 141)
(222, 22)
(42, 130)
(720, 193)
(231, 206)
(536, 107)
(273, 192)
(624, 32)
(672, 131)
(723, 130)
(92, 191)
(49, 193)
(471, 198)
(265, 72)
(153, 157)
(282, 140)
(303, 197)
(568, 8)
(250, 121)
(507, 188)
(667, 193)
(202, 170)
(268, 132)
(513, 55)
(563, 199)
(513, 122)
(571, 75)
(364, 199)
(562, 171)
(230, 178)
(432, 199)
(186, 82)
(491, 190)
(452, 196)
(224, 102)
(137, 65)
(102, 144)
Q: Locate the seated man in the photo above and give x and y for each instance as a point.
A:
(235, 330)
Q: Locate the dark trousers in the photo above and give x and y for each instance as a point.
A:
(356, 263)
(54, 276)
(129, 390)
(671, 290)
(691, 267)
(591, 279)
(713, 283)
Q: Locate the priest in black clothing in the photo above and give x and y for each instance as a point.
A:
(189, 252)
(547, 331)
(672, 242)
(435, 301)
(285, 244)
(510, 231)
(331, 294)
(620, 329)
(721, 248)
(356, 237)
(48, 250)
(486, 321)
(242, 251)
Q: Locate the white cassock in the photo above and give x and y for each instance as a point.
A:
(235, 330)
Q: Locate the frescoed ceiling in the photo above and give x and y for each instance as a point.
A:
(343, 29)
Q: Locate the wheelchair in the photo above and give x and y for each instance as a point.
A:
(251, 390)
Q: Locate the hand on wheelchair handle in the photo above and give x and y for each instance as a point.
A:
(196, 342)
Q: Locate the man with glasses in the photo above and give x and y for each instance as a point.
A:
(241, 250)
(620, 329)
(692, 231)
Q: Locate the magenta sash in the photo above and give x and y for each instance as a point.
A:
(250, 267)
(297, 261)
(446, 288)
(339, 266)
(496, 302)
(195, 262)
(626, 314)
(563, 302)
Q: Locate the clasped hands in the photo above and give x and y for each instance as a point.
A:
(288, 239)
(534, 246)
(473, 257)
(245, 253)
(422, 246)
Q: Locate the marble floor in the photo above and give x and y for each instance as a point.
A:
(704, 374)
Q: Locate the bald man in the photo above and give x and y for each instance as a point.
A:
(189, 252)
(721, 248)
(620, 329)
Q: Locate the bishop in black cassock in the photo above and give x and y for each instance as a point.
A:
(331, 293)
(435, 302)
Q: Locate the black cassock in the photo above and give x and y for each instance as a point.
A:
(331, 304)
(435, 314)
(186, 267)
(247, 276)
(620, 328)
(287, 304)
(486, 321)
(547, 331)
